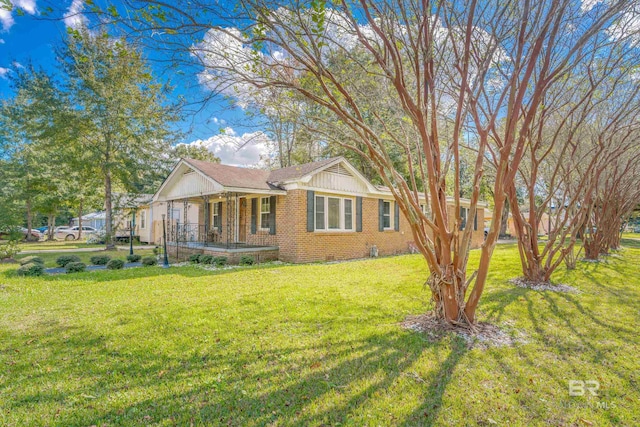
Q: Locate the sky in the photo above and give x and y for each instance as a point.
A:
(32, 38)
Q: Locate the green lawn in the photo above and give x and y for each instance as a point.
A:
(313, 345)
(56, 244)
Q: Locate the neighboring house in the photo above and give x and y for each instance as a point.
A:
(321, 211)
(96, 220)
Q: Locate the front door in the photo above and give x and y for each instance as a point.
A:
(242, 221)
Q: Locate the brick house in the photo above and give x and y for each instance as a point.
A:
(320, 211)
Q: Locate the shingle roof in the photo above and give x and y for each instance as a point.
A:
(296, 172)
(234, 176)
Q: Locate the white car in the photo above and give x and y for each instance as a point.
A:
(71, 233)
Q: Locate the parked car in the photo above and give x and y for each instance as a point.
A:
(71, 233)
(43, 230)
(34, 236)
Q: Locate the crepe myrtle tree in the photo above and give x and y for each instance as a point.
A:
(587, 121)
(415, 79)
(617, 196)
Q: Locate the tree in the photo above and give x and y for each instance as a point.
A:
(197, 152)
(402, 84)
(121, 114)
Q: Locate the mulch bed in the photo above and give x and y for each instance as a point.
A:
(482, 335)
(62, 270)
(543, 286)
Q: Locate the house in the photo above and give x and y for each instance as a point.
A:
(320, 211)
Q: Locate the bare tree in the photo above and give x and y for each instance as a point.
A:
(404, 80)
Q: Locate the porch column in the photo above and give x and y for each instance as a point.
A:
(207, 216)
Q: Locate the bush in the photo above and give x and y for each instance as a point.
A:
(32, 260)
(149, 261)
(97, 238)
(220, 261)
(63, 260)
(156, 250)
(75, 267)
(100, 259)
(9, 249)
(206, 259)
(195, 258)
(32, 269)
(115, 264)
(247, 260)
(134, 258)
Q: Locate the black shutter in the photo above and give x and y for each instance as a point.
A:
(380, 215)
(254, 208)
(310, 211)
(359, 214)
(396, 216)
(220, 217)
(475, 222)
(272, 215)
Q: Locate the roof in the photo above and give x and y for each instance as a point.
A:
(239, 177)
(233, 176)
(296, 172)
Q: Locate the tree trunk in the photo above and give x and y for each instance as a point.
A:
(504, 221)
(29, 221)
(108, 210)
(80, 220)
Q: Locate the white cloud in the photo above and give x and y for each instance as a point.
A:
(248, 149)
(6, 16)
(74, 18)
(17, 64)
(4, 72)
(1, 41)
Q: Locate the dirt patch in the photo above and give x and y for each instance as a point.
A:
(543, 286)
(481, 335)
(8, 261)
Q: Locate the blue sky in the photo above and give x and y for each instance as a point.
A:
(31, 38)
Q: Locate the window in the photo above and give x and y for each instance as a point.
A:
(464, 216)
(320, 213)
(175, 214)
(265, 212)
(216, 217)
(348, 214)
(333, 213)
(386, 215)
(143, 219)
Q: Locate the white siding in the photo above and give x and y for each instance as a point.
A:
(188, 183)
(338, 182)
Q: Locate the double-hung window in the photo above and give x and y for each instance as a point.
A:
(386, 215)
(265, 211)
(333, 213)
(143, 219)
(216, 217)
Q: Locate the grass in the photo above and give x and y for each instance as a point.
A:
(57, 244)
(312, 345)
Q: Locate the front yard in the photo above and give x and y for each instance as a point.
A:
(313, 345)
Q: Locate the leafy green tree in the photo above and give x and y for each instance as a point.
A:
(122, 116)
(197, 152)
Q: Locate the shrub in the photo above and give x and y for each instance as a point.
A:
(149, 261)
(63, 260)
(247, 260)
(115, 264)
(9, 249)
(206, 259)
(195, 258)
(156, 250)
(100, 259)
(220, 261)
(134, 258)
(32, 269)
(31, 259)
(75, 267)
(97, 238)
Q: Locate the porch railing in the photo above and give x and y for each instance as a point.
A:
(197, 235)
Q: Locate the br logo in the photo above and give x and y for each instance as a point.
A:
(579, 388)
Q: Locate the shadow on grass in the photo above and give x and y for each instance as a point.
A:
(98, 382)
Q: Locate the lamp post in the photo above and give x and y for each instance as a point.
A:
(130, 237)
(165, 263)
